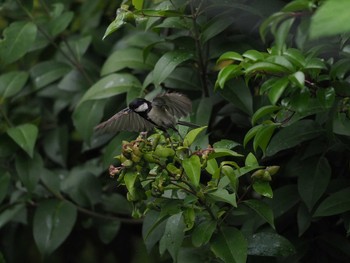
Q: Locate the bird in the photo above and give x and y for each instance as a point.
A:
(141, 115)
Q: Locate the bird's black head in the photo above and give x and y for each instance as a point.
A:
(140, 105)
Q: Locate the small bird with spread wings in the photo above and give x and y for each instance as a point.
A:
(142, 115)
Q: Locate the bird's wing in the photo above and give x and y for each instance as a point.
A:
(125, 120)
(176, 104)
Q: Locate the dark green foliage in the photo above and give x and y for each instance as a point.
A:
(265, 77)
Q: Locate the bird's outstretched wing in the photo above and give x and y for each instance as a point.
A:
(176, 104)
(125, 120)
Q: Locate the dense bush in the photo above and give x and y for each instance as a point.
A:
(269, 79)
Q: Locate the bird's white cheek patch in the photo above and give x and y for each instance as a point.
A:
(143, 107)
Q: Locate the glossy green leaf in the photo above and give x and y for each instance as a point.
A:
(192, 135)
(298, 5)
(262, 209)
(330, 19)
(47, 72)
(230, 55)
(203, 233)
(313, 181)
(326, 97)
(293, 135)
(11, 83)
(251, 133)
(270, 244)
(192, 167)
(173, 236)
(17, 41)
(224, 143)
(53, 222)
(298, 79)
(222, 195)
(25, 136)
(253, 55)
(266, 67)
(263, 111)
(4, 184)
(336, 203)
(111, 85)
(221, 152)
(263, 136)
(250, 160)
(227, 73)
(118, 22)
(29, 170)
(128, 58)
(277, 89)
(295, 56)
(167, 63)
(263, 188)
(230, 245)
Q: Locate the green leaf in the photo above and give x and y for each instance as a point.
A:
(263, 136)
(17, 41)
(282, 33)
(108, 229)
(313, 181)
(192, 167)
(263, 111)
(192, 135)
(221, 152)
(8, 214)
(152, 228)
(263, 188)
(251, 161)
(227, 73)
(262, 209)
(293, 135)
(128, 58)
(47, 72)
(138, 4)
(94, 110)
(29, 170)
(167, 63)
(270, 245)
(336, 203)
(203, 233)
(4, 185)
(330, 19)
(111, 85)
(11, 83)
(230, 245)
(25, 136)
(222, 195)
(251, 133)
(230, 55)
(118, 22)
(253, 55)
(266, 67)
(341, 124)
(56, 145)
(173, 236)
(215, 26)
(285, 198)
(298, 79)
(60, 23)
(276, 89)
(224, 143)
(53, 222)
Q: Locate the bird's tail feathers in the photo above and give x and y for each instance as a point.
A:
(188, 124)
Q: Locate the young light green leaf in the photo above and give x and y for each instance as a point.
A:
(251, 161)
(222, 195)
(167, 63)
(336, 203)
(230, 245)
(138, 4)
(230, 55)
(11, 83)
(227, 73)
(192, 167)
(25, 136)
(53, 222)
(262, 209)
(192, 135)
(203, 233)
(17, 41)
(173, 236)
(263, 188)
